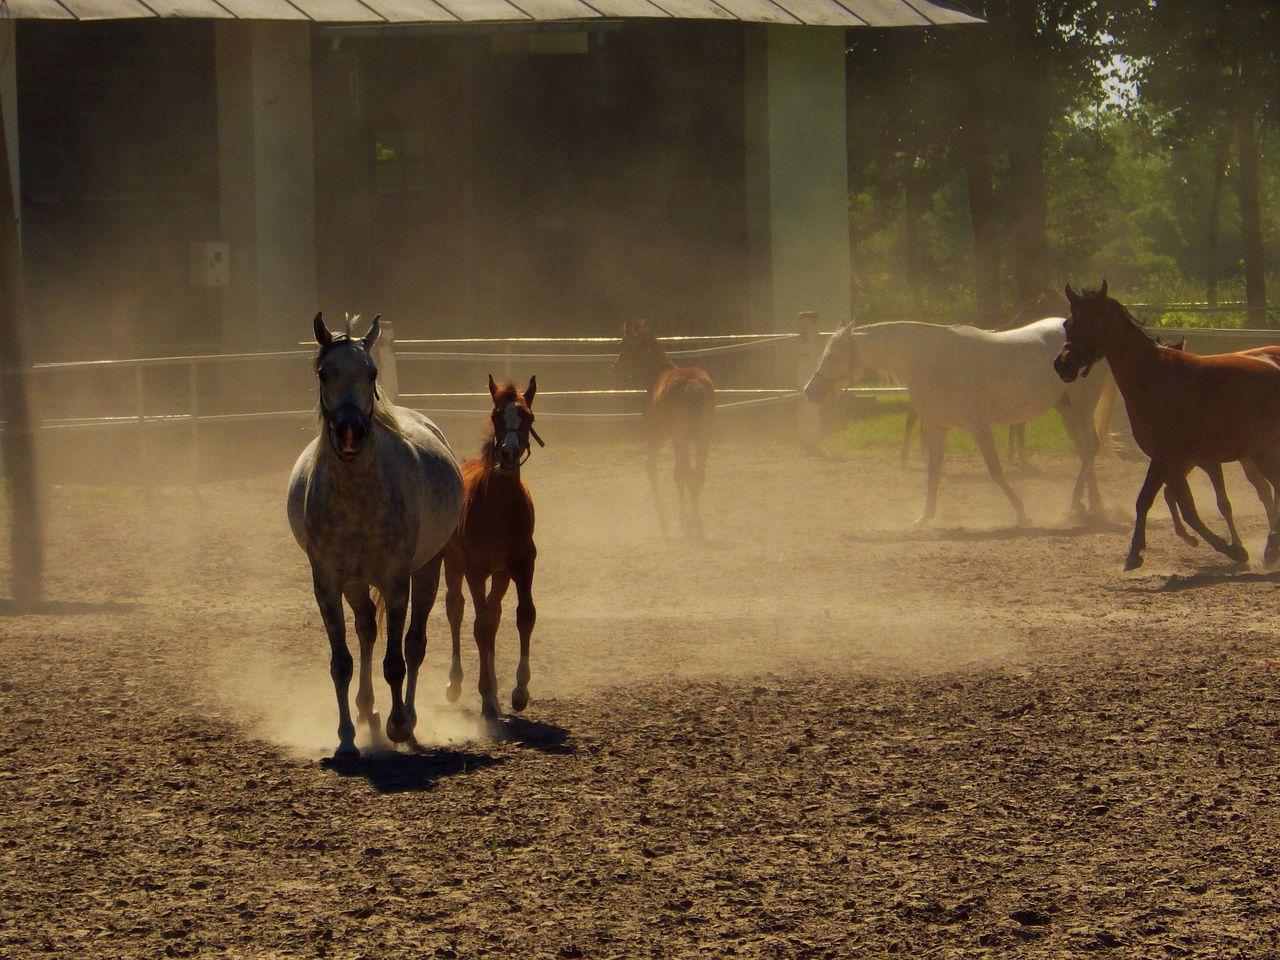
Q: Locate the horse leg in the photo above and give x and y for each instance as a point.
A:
(1017, 446)
(1265, 494)
(1084, 437)
(1146, 496)
(934, 443)
(1172, 502)
(987, 444)
(906, 436)
(454, 605)
(397, 600)
(651, 465)
(526, 617)
(1268, 464)
(698, 477)
(1214, 470)
(357, 595)
(424, 586)
(329, 599)
(497, 590)
(1178, 480)
(684, 478)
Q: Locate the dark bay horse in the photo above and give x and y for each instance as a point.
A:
(1185, 410)
(680, 404)
(372, 501)
(494, 540)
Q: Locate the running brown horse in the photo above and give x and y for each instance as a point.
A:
(1214, 472)
(1184, 409)
(680, 404)
(494, 539)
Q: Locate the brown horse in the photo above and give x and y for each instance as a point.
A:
(1184, 409)
(494, 539)
(1214, 472)
(680, 403)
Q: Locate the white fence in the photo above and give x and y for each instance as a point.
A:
(196, 388)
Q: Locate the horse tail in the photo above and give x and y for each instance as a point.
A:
(698, 399)
(1102, 411)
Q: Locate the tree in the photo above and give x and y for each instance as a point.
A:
(1213, 69)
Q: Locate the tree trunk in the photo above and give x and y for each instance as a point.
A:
(914, 205)
(1255, 281)
(985, 225)
(1221, 150)
(26, 531)
(1030, 217)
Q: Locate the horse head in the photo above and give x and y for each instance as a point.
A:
(348, 386)
(839, 365)
(1086, 332)
(512, 420)
(640, 356)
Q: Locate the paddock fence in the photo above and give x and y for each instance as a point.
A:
(140, 406)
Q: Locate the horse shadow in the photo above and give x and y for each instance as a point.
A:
(61, 608)
(532, 734)
(417, 769)
(969, 535)
(1206, 577)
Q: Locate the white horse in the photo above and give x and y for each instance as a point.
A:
(373, 501)
(973, 379)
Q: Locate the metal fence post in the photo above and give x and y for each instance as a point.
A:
(807, 414)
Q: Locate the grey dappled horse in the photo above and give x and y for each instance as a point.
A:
(373, 500)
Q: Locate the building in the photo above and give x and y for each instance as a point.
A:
(202, 175)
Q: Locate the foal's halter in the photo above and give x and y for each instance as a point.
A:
(498, 441)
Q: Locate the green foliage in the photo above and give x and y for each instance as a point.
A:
(1137, 107)
(883, 432)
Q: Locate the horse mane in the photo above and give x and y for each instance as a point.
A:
(1097, 296)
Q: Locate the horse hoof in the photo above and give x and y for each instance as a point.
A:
(452, 693)
(346, 751)
(519, 699)
(1190, 541)
(1133, 562)
(1238, 554)
(489, 711)
(399, 731)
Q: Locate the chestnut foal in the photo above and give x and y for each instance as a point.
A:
(494, 539)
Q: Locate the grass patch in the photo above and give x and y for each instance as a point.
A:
(883, 431)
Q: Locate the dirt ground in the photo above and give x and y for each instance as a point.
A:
(818, 734)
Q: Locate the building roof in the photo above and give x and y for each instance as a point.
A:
(826, 13)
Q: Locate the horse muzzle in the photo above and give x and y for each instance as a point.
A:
(818, 389)
(348, 431)
(1073, 361)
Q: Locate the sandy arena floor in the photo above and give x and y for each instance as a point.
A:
(819, 734)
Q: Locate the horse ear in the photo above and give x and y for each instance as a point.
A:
(530, 390)
(1102, 290)
(493, 389)
(372, 335)
(323, 336)
(1073, 298)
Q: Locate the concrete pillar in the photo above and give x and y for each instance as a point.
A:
(797, 175)
(266, 168)
(9, 100)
